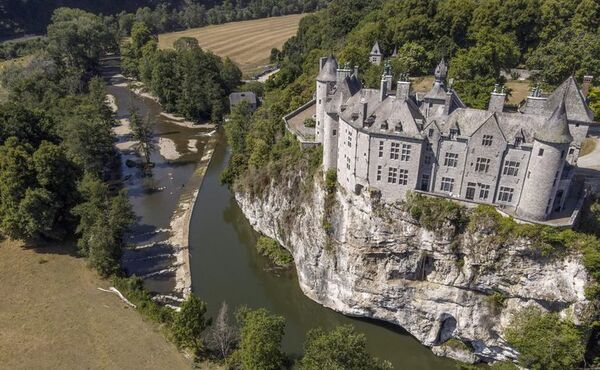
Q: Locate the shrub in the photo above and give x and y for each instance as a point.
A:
(496, 301)
(309, 122)
(435, 213)
(545, 341)
(260, 339)
(271, 249)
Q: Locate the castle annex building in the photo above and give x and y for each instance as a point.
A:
(394, 141)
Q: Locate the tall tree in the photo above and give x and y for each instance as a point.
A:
(260, 344)
(190, 323)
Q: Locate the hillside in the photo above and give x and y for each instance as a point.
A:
(52, 313)
(247, 43)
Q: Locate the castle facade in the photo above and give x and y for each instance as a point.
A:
(394, 141)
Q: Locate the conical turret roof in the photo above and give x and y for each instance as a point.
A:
(376, 50)
(329, 71)
(556, 128)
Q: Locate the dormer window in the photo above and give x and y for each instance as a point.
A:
(453, 133)
(354, 116)
(398, 127)
(518, 141)
(384, 125)
(430, 132)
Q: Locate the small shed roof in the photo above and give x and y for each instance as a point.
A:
(237, 97)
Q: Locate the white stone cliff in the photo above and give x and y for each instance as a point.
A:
(383, 265)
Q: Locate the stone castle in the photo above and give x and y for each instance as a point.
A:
(394, 141)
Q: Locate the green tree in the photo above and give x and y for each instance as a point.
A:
(230, 75)
(412, 59)
(545, 341)
(340, 349)
(594, 101)
(76, 39)
(236, 128)
(190, 323)
(143, 133)
(260, 339)
(103, 221)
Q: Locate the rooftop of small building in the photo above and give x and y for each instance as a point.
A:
(237, 97)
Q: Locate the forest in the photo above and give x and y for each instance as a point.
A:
(19, 17)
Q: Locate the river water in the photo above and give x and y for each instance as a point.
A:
(224, 264)
(226, 268)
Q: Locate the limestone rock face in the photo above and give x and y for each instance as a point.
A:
(382, 264)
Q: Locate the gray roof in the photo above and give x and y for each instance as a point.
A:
(375, 50)
(438, 91)
(512, 125)
(329, 71)
(344, 90)
(237, 97)
(556, 129)
(575, 106)
(392, 116)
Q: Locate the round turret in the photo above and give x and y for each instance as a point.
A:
(325, 84)
(547, 160)
(330, 141)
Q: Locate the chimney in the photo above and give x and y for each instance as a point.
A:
(403, 88)
(497, 99)
(363, 104)
(448, 102)
(356, 71)
(342, 73)
(585, 88)
(383, 88)
(535, 102)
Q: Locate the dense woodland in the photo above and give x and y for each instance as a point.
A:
(32, 16)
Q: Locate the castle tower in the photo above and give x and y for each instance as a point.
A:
(330, 141)
(550, 144)
(376, 56)
(325, 84)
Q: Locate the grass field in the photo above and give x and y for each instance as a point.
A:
(52, 316)
(247, 43)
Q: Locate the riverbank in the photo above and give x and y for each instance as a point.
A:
(176, 244)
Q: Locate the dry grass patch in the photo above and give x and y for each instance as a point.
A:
(53, 316)
(247, 43)
(422, 84)
(519, 91)
(587, 146)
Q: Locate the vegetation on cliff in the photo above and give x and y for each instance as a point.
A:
(276, 253)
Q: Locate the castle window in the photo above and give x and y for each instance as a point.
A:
(506, 194)
(470, 191)
(403, 177)
(562, 154)
(453, 133)
(427, 159)
(487, 140)
(380, 148)
(405, 152)
(511, 168)
(334, 132)
(555, 178)
(348, 162)
(430, 132)
(429, 146)
(540, 152)
(392, 175)
(425, 182)
(482, 165)
(451, 160)
(484, 191)
(571, 151)
(378, 173)
(395, 151)
(517, 141)
(447, 184)
(349, 139)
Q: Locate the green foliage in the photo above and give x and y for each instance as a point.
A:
(104, 219)
(496, 301)
(260, 339)
(276, 253)
(77, 38)
(310, 122)
(435, 214)
(503, 365)
(594, 101)
(190, 323)
(339, 349)
(330, 181)
(545, 341)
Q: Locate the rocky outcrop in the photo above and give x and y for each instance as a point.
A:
(381, 264)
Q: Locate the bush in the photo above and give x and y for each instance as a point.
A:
(270, 248)
(545, 341)
(435, 213)
(190, 323)
(309, 122)
(260, 339)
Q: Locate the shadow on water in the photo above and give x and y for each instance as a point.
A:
(226, 267)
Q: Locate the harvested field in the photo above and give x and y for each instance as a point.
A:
(53, 316)
(247, 43)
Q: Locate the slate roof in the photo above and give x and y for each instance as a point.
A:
(438, 91)
(575, 106)
(344, 90)
(376, 50)
(237, 97)
(512, 125)
(329, 71)
(556, 129)
(395, 117)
